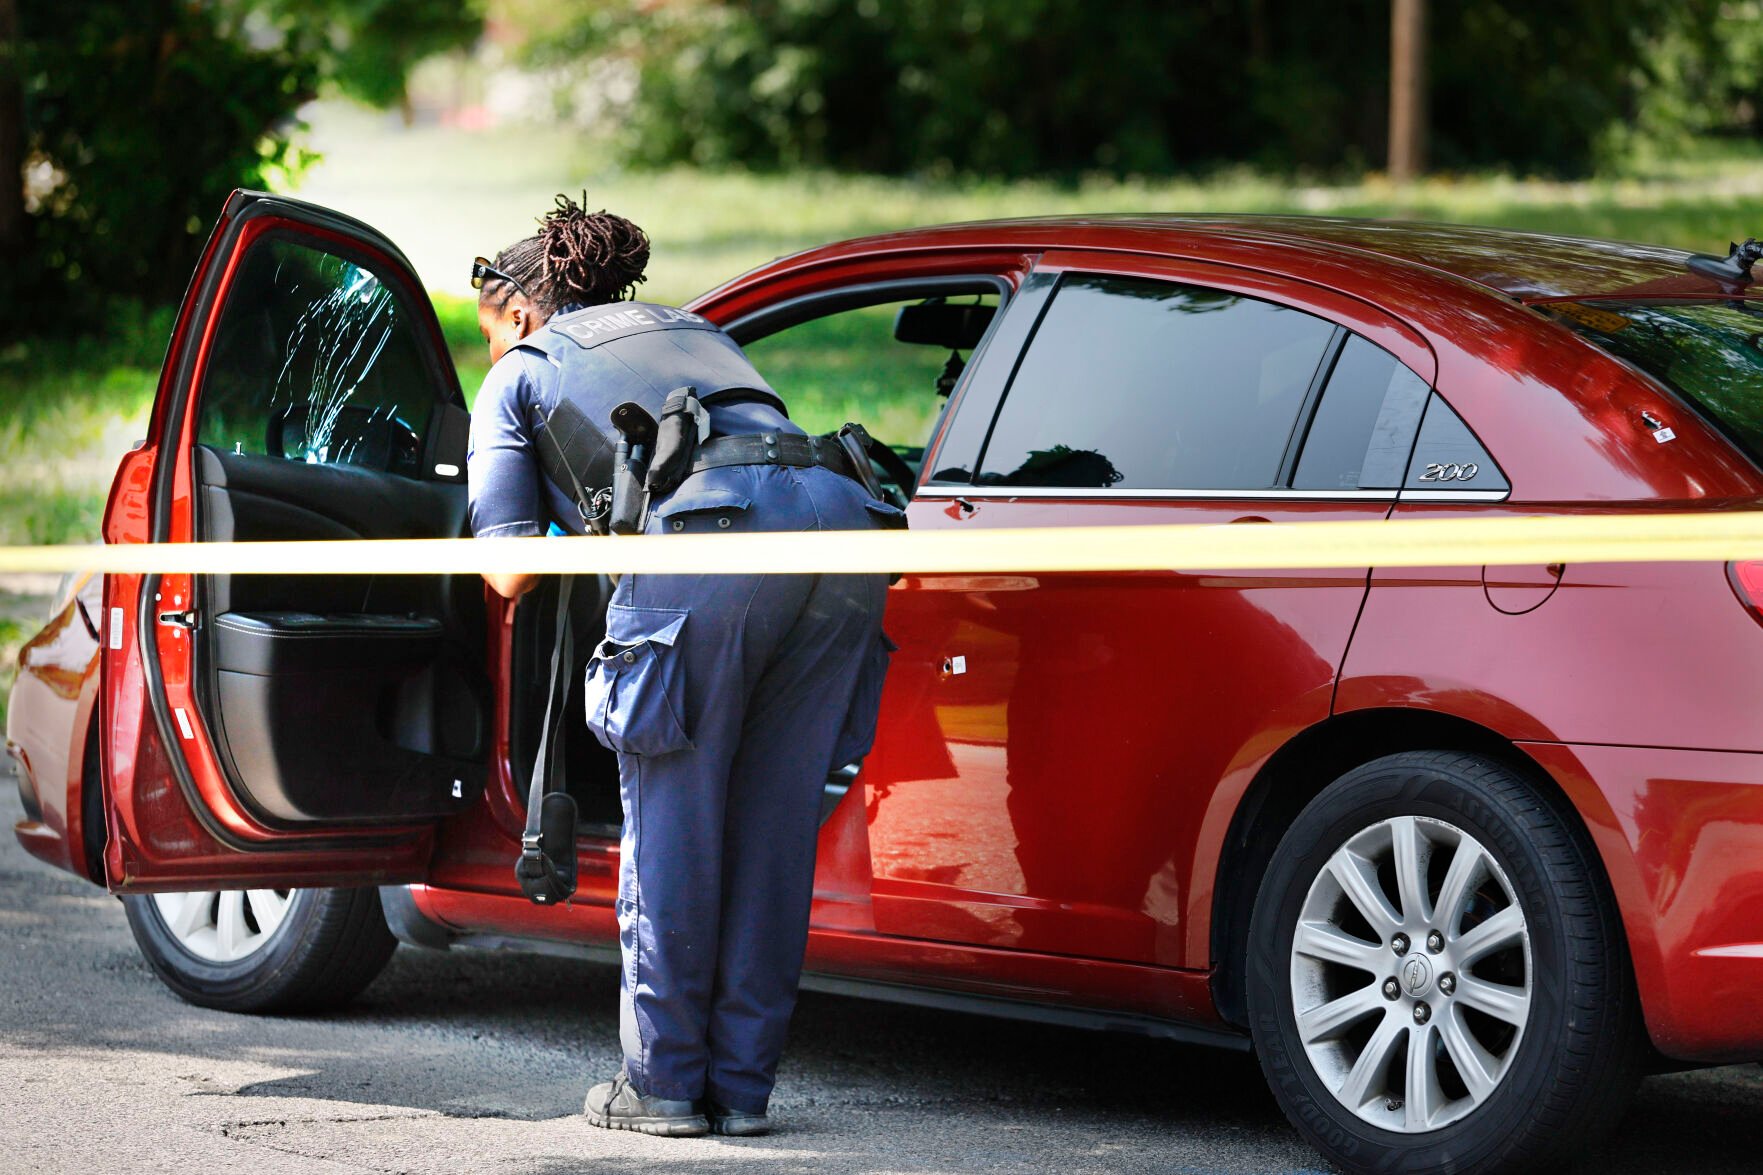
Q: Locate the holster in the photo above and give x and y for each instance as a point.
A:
(857, 443)
(685, 424)
(630, 467)
(546, 866)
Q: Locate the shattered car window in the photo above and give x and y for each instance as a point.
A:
(316, 361)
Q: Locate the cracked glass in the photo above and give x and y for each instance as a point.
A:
(316, 360)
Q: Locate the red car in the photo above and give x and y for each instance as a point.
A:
(1460, 854)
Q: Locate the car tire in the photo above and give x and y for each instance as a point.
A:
(325, 947)
(1505, 1035)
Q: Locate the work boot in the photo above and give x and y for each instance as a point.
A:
(617, 1105)
(735, 1123)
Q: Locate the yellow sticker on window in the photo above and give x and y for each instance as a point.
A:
(1606, 321)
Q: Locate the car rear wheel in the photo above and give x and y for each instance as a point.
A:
(1437, 975)
(263, 950)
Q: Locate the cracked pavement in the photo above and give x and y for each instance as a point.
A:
(475, 1062)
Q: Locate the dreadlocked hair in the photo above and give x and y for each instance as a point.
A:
(576, 256)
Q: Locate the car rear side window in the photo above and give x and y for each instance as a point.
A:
(1448, 457)
(1710, 353)
(1137, 384)
(1363, 430)
(316, 360)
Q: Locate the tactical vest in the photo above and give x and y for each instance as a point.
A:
(636, 351)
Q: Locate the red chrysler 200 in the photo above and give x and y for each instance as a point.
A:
(1459, 853)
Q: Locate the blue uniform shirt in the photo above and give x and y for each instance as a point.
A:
(509, 494)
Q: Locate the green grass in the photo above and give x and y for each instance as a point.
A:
(850, 368)
(444, 194)
(70, 408)
(458, 317)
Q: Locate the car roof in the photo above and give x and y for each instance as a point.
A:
(1523, 265)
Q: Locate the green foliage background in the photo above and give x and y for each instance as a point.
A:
(1147, 87)
(140, 117)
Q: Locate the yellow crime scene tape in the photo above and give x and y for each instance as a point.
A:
(1430, 542)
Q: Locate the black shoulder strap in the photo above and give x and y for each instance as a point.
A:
(546, 866)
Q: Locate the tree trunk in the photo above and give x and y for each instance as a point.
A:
(12, 225)
(1407, 90)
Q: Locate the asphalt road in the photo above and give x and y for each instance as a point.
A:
(472, 1062)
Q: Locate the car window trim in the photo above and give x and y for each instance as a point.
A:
(781, 316)
(1057, 263)
(1331, 355)
(443, 377)
(1443, 494)
(1033, 299)
(1102, 494)
(1098, 494)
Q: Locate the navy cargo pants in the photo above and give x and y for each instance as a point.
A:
(729, 698)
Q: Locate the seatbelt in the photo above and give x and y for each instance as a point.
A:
(546, 866)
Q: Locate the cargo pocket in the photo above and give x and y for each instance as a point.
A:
(857, 735)
(636, 687)
(886, 515)
(700, 510)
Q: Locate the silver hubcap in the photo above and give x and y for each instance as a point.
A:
(1411, 974)
(224, 926)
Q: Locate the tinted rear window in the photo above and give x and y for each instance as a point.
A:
(1710, 354)
(1142, 384)
(1363, 432)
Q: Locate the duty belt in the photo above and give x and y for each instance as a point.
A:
(773, 448)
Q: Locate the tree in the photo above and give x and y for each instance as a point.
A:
(12, 225)
(372, 45)
(1062, 87)
(137, 117)
(1407, 89)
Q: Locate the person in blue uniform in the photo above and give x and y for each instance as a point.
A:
(727, 697)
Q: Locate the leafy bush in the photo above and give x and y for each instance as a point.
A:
(1063, 87)
(139, 116)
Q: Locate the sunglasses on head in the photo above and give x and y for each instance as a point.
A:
(481, 269)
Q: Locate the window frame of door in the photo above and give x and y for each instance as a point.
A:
(247, 219)
(788, 313)
(443, 376)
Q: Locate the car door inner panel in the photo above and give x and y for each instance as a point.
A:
(343, 699)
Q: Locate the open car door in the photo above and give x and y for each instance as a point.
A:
(299, 729)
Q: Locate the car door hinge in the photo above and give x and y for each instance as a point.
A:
(185, 620)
